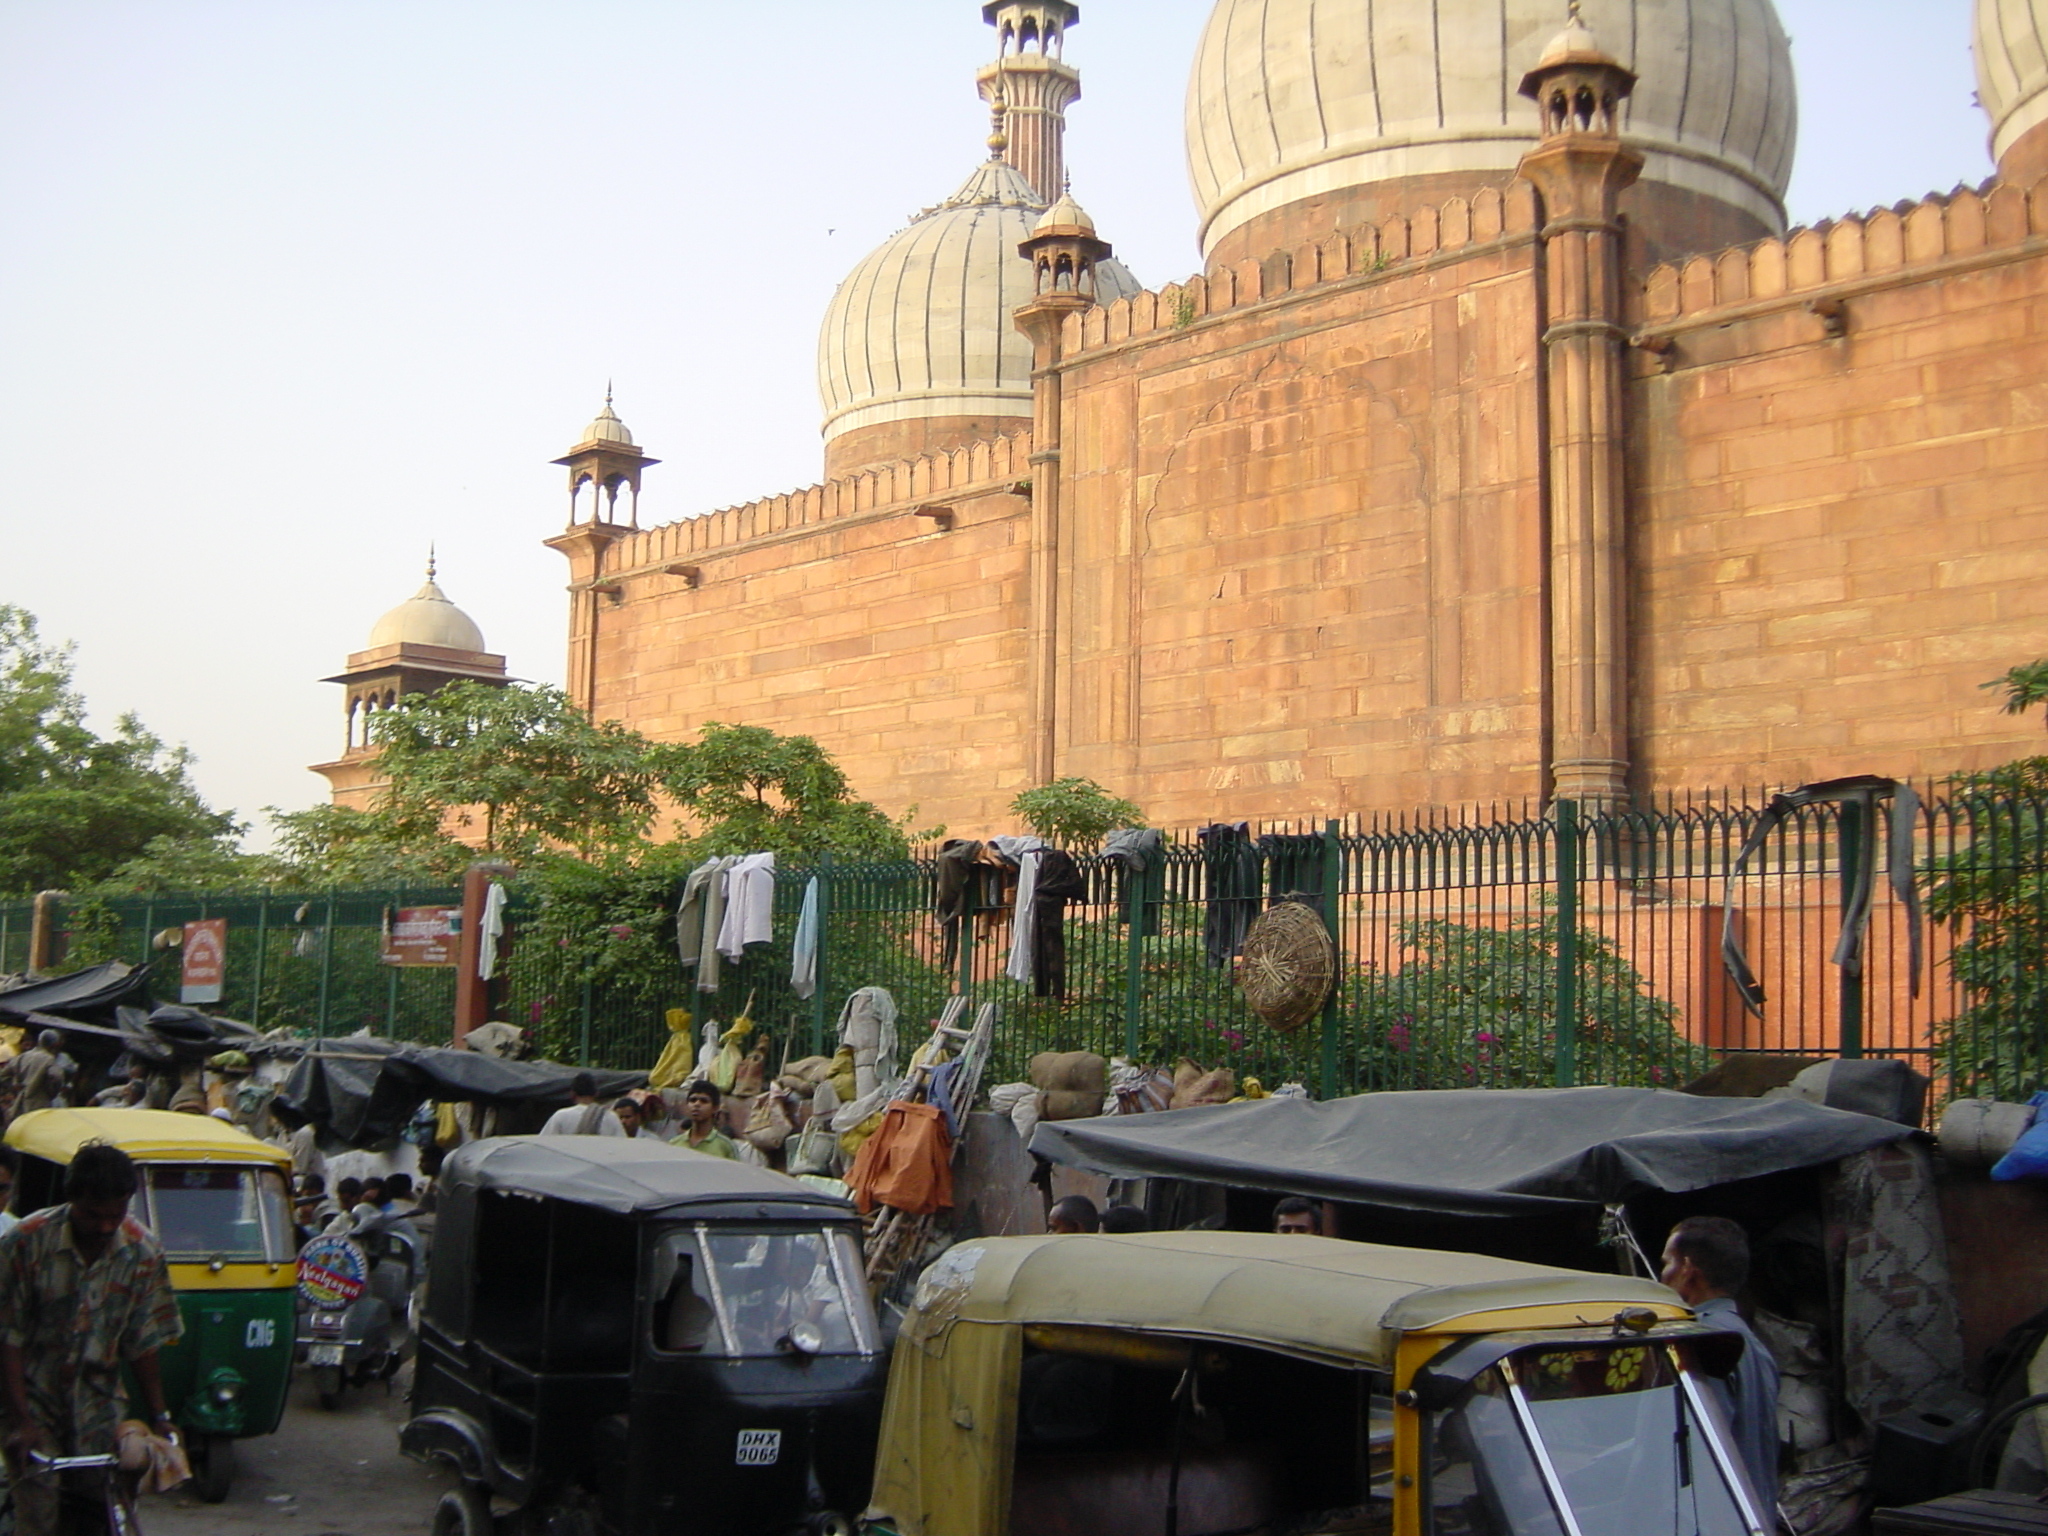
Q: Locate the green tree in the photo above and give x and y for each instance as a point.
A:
(1075, 813)
(76, 806)
(521, 765)
(2024, 686)
(752, 791)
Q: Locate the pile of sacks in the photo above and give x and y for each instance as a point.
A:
(1076, 1085)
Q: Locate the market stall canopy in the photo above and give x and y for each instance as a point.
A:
(1472, 1151)
(624, 1177)
(363, 1089)
(90, 996)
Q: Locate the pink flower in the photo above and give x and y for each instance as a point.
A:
(1485, 1039)
(621, 930)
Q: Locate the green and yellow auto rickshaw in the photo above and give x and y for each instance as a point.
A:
(218, 1201)
(1204, 1382)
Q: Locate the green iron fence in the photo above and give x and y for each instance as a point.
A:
(1496, 949)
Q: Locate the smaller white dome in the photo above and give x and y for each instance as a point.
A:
(1064, 214)
(607, 428)
(428, 618)
(2012, 67)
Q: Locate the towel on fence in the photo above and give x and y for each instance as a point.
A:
(749, 905)
(803, 951)
(1023, 920)
(1231, 867)
(1142, 853)
(491, 930)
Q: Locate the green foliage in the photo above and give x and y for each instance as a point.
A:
(1075, 813)
(1478, 1009)
(522, 765)
(172, 865)
(754, 791)
(328, 846)
(76, 806)
(2024, 686)
(1994, 893)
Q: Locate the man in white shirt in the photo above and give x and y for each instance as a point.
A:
(586, 1115)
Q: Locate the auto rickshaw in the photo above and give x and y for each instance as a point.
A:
(1204, 1382)
(624, 1337)
(218, 1202)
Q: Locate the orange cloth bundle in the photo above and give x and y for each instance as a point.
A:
(907, 1164)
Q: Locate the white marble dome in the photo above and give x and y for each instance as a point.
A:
(923, 326)
(607, 428)
(428, 618)
(2011, 46)
(1294, 99)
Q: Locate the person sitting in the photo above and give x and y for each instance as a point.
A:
(347, 1195)
(398, 1196)
(628, 1111)
(1706, 1260)
(1296, 1217)
(1073, 1215)
(701, 1134)
(585, 1115)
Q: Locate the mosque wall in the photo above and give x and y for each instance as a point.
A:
(1841, 464)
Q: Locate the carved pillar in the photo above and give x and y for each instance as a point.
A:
(585, 546)
(1580, 169)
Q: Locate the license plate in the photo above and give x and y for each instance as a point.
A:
(758, 1447)
(324, 1354)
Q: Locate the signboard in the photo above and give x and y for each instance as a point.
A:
(421, 935)
(333, 1272)
(206, 961)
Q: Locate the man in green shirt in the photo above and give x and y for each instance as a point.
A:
(700, 1109)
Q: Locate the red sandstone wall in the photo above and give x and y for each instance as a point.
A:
(1840, 538)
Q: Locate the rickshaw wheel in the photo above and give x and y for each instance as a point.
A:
(327, 1386)
(464, 1511)
(213, 1467)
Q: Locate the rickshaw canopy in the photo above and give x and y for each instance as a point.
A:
(147, 1135)
(627, 1176)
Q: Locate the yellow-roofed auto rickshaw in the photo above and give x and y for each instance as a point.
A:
(1200, 1383)
(218, 1202)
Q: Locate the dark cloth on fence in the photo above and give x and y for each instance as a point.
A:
(1142, 853)
(958, 861)
(1294, 866)
(1059, 882)
(1231, 864)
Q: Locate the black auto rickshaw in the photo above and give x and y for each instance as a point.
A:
(627, 1338)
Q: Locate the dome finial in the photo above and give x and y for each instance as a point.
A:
(998, 135)
(608, 382)
(430, 560)
(1572, 15)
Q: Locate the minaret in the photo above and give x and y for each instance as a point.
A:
(607, 460)
(1035, 84)
(1580, 169)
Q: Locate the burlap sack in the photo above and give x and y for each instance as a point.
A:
(1192, 1085)
(769, 1124)
(1069, 1104)
(1070, 1072)
(809, 1068)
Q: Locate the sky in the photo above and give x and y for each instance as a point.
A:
(294, 288)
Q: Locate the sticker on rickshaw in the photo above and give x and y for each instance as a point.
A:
(333, 1271)
(758, 1447)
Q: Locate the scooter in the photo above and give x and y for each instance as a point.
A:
(355, 1305)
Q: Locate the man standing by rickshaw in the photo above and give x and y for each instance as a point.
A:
(84, 1290)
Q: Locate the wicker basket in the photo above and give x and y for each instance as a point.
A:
(1287, 966)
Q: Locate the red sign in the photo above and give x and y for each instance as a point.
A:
(206, 961)
(421, 935)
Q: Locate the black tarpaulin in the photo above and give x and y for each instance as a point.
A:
(612, 1173)
(365, 1090)
(89, 996)
(1472, 1151)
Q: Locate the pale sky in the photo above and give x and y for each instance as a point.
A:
(293, 287)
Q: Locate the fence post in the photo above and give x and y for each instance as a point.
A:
(326, 968)
(1134, 957)
(1567, 943)
(1333, 887)
(583, 1033)
(42, 932)
(390, 974)
(262, 945)
(1857, 824)
(819, 1001)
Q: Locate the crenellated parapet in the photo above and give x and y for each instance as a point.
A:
(1868, 249)
(996, 464)
(1445, 232)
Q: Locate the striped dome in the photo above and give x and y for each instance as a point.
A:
(2012, 67)
(1296, 99)
(923, 326)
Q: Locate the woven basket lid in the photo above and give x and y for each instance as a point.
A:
(1287, 965)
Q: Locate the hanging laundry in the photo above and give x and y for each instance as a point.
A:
(1142, 853)
(492, 929)
(690, 914)
(1023, 852)
(1058, 882)
(958, 862)
(803, 951)
(1231, 866)
(708, 969)
(749, 905)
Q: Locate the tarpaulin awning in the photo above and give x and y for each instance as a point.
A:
(363, 1089)
(89, 996)
(1472, 1151)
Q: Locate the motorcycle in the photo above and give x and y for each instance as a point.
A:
(355, 1304)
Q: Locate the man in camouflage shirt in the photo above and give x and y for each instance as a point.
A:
(84, 1290)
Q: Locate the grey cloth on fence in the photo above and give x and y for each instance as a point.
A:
(1136, 848)
(803, 950)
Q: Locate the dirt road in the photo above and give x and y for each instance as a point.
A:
(321, 1474)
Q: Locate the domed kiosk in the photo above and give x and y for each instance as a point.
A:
(2011, 46)
(1309, 116)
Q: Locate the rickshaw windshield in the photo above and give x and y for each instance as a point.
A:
(206, 1211)
(1615, 1432)
(761, 1293)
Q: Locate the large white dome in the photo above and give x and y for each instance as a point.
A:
(923, 326)
(2012, 67)
(1296, 99)
(428, 618)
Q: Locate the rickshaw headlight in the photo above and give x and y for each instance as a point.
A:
(224, 1386)
(805, 1338)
